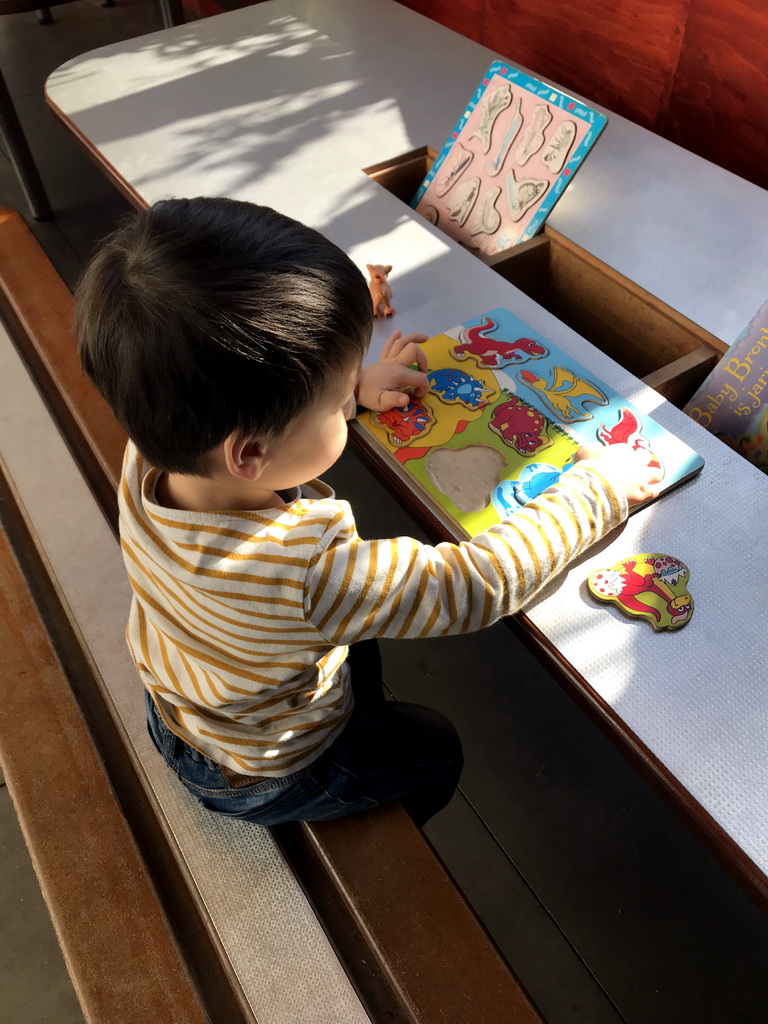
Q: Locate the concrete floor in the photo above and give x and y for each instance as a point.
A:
(604, 904)
(34, 982)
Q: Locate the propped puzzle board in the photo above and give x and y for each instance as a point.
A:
(507, 162)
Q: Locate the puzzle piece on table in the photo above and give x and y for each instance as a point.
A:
(565, 394)
(648, 586)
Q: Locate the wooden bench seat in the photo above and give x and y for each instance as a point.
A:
(92, 876)
(411, 946)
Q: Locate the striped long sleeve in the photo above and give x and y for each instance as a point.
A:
(400, 588)
(240, 621)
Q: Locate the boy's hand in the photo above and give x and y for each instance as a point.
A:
(627, 468)
(393, 381)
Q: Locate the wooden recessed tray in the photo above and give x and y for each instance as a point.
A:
(665, 349)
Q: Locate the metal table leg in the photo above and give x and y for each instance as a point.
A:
(172, 13)
(21, 156)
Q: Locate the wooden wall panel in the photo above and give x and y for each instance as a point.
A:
(464, 16)
(719, 105)
(694, 71)
(618, 53)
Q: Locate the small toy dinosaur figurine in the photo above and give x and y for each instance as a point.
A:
(381, 292)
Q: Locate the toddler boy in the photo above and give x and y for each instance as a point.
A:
(228, 339)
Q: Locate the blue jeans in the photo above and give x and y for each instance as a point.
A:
(386, 751)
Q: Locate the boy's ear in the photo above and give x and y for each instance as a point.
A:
(387, 269)
(369, 267)
(244, 457)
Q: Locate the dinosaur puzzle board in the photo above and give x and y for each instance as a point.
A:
(507, 162)
(504, 417)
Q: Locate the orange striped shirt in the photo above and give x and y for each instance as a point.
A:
(241, 621)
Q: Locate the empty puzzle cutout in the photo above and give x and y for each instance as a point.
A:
(648, 586)
(466, 475)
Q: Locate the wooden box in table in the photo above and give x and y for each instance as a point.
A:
(661, 346)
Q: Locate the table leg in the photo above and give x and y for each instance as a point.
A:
(21, 157)
(172, 13)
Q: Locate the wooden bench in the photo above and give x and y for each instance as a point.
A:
(92, 876)
(412, 947)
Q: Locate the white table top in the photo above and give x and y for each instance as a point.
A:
(284, 103)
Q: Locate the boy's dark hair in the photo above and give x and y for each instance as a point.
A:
(198, 318)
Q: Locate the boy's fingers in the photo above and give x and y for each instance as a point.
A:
(402, 341)
(408, 352)
(392, 399)
(413, 380)
(410, 384)
(421, 358)
(386, 352)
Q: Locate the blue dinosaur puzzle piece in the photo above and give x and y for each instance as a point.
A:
(457, 386)
(535, 478)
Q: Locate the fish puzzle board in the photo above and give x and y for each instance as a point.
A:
(504, 416)
(507, 162)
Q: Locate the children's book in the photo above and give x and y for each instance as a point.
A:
(507, 162)
(504, 417)
(733, 400)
